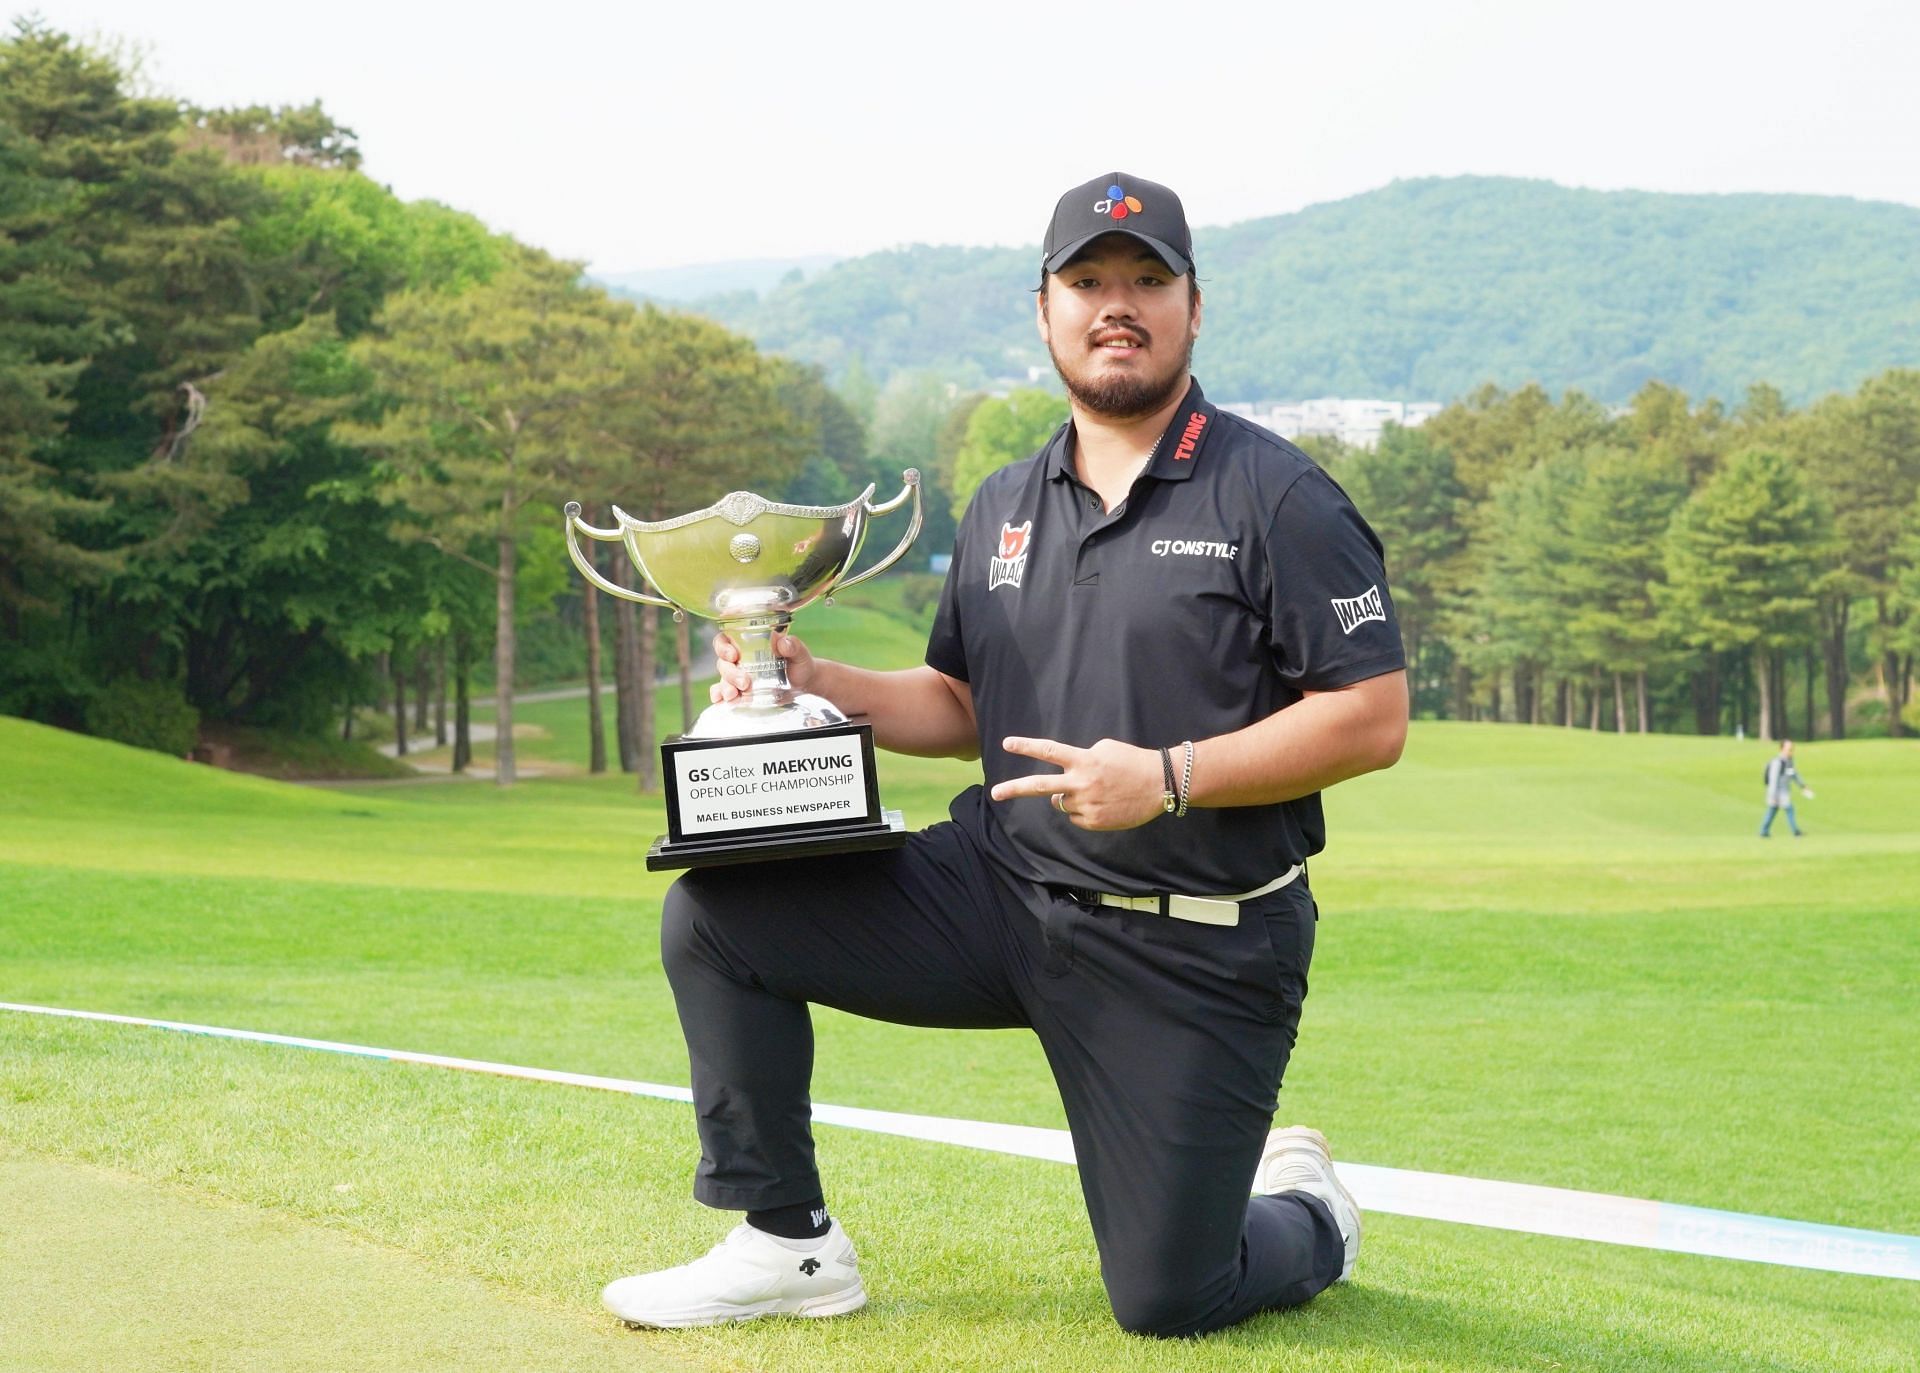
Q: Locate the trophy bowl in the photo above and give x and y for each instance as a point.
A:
(750, 564)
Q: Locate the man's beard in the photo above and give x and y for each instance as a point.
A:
(1126, 395)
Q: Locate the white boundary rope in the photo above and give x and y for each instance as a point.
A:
(1431, 1196)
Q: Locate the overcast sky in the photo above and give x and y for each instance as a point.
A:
(645, 135)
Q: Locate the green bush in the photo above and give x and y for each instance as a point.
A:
(48, 682)
(919, 594)
(145, 714)
(1867, 718)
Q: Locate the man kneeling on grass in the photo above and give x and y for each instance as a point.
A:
(1164, 634)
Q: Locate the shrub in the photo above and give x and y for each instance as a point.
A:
(145, 714)
(1867, 718)
(919, 593)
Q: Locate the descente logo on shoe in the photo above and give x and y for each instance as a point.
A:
(810, 1266)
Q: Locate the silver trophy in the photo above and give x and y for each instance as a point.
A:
(778, 771)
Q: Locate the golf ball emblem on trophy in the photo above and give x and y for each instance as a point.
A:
(779, 772)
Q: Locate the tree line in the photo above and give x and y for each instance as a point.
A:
(1662, 565)
(1668, 566)
(274, 443)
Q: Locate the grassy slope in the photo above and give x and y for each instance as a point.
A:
(1547, 956)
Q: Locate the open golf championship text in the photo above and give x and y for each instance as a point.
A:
(758, 786)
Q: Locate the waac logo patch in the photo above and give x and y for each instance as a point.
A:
(1360, 609)
(1009, 563)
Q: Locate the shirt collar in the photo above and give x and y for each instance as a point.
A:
(1057, 456)
(1178, 452)
(1174, 456)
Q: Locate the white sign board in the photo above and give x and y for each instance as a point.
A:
(753, 785)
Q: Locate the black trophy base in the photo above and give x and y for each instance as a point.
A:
(889, 832)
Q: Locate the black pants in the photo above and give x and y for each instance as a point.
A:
(1167, 1039)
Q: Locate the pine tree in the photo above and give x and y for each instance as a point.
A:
(1513, 614)
(1616, 533)
(58, 142)
(1864, 453)
(1406, 489)
(1744, 559)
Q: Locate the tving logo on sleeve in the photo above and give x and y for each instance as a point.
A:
(1009, 563)
(1356, 612)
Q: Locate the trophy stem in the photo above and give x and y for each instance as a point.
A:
(754, 639)
(772, 704)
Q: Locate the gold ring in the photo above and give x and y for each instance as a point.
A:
(1060, 802)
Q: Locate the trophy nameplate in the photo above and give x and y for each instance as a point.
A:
(799, 792)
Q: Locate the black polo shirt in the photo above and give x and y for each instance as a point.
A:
(1234, 576)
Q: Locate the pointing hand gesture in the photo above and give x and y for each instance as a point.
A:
(1111, 786)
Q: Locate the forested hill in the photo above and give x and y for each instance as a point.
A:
(1426, 288)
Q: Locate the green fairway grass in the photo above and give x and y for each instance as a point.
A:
(88, 1237)
(1545, 955)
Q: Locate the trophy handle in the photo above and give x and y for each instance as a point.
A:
(912, 488)
(574, 522)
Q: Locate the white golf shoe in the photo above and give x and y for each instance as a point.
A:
(1297, 1159)
(748, 1274)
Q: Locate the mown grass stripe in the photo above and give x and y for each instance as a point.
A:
(1491, 1204)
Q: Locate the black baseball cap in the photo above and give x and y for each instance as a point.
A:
(1119, 204)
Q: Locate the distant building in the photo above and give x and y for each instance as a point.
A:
(1356, 423)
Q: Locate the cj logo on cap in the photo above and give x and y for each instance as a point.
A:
(1118, 204)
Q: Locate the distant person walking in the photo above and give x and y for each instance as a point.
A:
(1781, 777)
